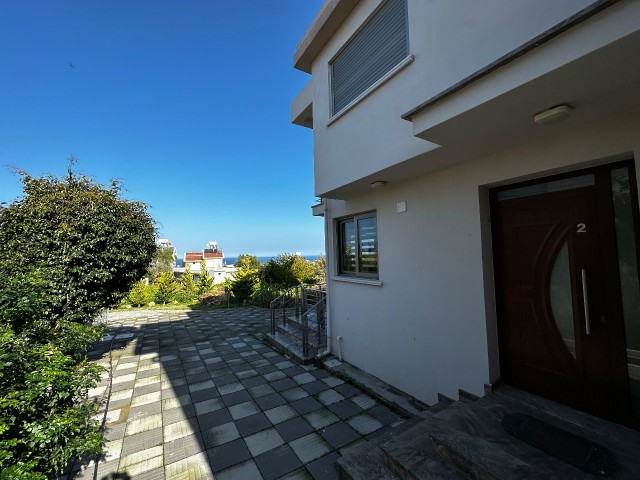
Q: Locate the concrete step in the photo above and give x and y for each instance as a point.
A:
(295, 335)
(364, 461)
(470, 439)
(289, 346)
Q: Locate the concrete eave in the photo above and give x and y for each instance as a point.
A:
(324, 26)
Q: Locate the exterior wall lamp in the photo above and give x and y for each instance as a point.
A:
(552, 115)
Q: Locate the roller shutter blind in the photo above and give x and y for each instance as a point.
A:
(378, 47)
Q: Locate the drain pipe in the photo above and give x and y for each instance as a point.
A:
(321, 355)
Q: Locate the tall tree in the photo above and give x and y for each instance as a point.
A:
(90, 244)
(188, 285)
(205, 282)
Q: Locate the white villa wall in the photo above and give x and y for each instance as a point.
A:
(453, 39)
(430, 328)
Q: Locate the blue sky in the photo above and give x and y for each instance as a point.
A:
(186, 101)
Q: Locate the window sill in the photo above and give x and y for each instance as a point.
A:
(362, 281)
(371, 89)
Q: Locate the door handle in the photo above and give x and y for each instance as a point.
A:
(585, 302)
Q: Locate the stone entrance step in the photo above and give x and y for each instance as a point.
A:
(477, 439)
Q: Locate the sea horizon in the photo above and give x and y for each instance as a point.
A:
(263, 258)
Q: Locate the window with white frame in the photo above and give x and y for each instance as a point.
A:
(358, 246)
(381, 44)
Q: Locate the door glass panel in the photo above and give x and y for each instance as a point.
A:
(561, 299)
(628, 268)
(548, 187)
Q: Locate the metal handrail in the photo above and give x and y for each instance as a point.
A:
(306, 303)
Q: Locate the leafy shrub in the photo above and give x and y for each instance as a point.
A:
(205, 282)
(166, 288)
(89, 244)
(263, 294)
(188, 288)
(242, 287)
(141, 293)
(68, 248)
(43, 418)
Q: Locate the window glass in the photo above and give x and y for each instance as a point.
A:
(628, 270)
(348, 246)
(358, 246)
(368, 244)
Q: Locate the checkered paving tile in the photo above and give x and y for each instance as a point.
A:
(198, 395)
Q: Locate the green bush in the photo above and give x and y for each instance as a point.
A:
(89, 244)
(242, 287)
(263, 294)
(141, 293)
(68, 248)
(205, 282)
(188, 288)
(166, 288)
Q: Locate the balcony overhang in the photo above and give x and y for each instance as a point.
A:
(317, 210)
(302, 107)
(497, 111)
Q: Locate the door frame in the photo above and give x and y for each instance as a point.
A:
(621, 413)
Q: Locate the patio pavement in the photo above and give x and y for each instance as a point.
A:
(198, 395)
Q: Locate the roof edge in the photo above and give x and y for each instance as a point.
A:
(330, 17)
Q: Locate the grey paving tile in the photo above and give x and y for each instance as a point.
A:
(182, 448)
(252, 424)
(330, 396)
(228, 454)
(284, 384)
(294, 428)
(303, 378)
(299, 474)
(195, 467)
(339, 434)
(230, 388)
(243, 410)
(294, 394)
(333, 381)
(321, 418)
(345, 409)
(178, 414)
(263, 441)
(236, 397)
(243, 471)
(213, 419)
(383, 414)
(347, 390)
(364, 424)
(141, 441)
(315, 387)
(219, 435)
(274, 376)
(365, 402)
(270, 401)
(261, 390)
(280, 414)
(207, 406)
(310, 447)
(306, 405)
(277, 462)
(325, 468)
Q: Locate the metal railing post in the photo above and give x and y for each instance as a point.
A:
(305, 334)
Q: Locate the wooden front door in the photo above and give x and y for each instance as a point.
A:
(561, 326)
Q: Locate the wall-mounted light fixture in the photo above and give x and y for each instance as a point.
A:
(552, 115)
(379, 184)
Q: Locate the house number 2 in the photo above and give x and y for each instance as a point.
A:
(582, 228)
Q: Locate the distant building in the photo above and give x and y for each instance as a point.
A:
(165, 244)
(214, 261)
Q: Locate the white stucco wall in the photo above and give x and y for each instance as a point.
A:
(428, 328)
(449, 39)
